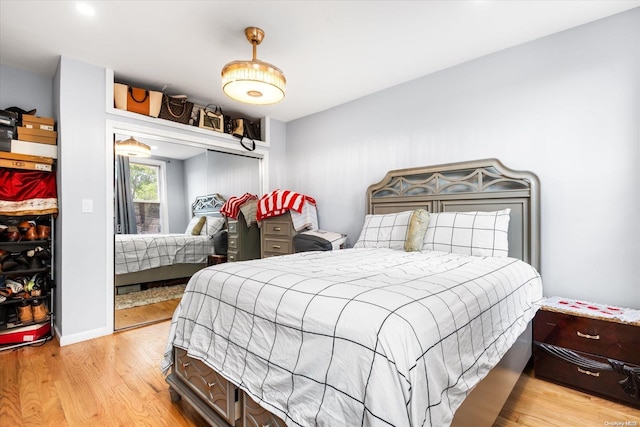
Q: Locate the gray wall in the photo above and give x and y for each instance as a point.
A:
(26, 90)
(232, 174)
(565, 107)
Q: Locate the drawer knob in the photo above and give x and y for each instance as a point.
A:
(591, 337)
(276, 246)
(277, 229)
(593, 374)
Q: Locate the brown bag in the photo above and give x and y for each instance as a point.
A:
(176, 109)
(137, 100)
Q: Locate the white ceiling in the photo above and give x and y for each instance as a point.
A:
(330, 51)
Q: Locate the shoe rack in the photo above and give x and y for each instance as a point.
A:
(26, 280)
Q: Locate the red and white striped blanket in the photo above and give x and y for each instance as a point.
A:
(278, 202)
(231, 207)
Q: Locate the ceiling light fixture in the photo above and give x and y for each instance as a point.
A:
(132, 148)
(253, 82)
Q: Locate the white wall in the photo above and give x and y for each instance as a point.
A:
(83, 173)
(565, 107)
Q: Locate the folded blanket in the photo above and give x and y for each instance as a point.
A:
(232, 206)
(279, 202)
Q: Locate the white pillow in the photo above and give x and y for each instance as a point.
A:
(384, 231)
(195, 226)
(214, 224)
(469, 233)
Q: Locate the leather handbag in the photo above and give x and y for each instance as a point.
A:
(176, 109)
(137, 100)
(212, 119)
(244, 128)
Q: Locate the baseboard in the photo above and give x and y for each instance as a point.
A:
(83, 336)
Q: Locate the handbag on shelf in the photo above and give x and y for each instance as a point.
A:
(244, 128)
(137, 100)
(176, 109)
(212, 119)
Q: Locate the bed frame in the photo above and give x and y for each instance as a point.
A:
(482, 185)
(208, 205)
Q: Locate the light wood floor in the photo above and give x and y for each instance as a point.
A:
(116, 381)
(145, 314)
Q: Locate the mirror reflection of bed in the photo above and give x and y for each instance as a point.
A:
(148, 288)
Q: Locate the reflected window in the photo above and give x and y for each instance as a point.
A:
(149, 200)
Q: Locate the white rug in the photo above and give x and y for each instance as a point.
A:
(149, 296)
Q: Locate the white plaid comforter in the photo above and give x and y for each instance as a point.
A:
(356, 337)
(137, 252)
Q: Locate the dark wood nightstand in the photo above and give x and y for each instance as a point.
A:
(216, 259)
(593, 354)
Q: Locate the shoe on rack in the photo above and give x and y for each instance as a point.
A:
(31, 234)
(44, 232)
(25, 313)
(39, 310)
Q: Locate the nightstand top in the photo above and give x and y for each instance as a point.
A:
(591, 309)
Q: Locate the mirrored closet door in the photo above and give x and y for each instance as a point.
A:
(153, 198)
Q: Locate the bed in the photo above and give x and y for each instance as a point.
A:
(375, 334)
(144, 258)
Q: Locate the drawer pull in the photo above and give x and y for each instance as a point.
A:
(185, 364)
(593, 374)
(277, 229)
(591, 337)
(212, 384)
(275, 247)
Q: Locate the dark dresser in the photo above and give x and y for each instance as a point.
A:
(243, 241)
(591, 354)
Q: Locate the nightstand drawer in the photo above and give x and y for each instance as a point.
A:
(232, 226)
(582, 373)
(232, 242)
(605, 338)
(278, 228)
(232, 256)
(277, 247)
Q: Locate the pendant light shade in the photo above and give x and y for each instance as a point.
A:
(132, 148)
(253, 82)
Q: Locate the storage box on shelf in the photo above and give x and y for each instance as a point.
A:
(26, 281)
(26, 162)
(590, 347)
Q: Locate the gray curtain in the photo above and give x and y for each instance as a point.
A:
(125, 214)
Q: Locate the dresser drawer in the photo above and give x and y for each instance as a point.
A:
(278, 228)
(232, 256)
(213, 388)
(585, 377)
(256, 416)
(232, 242)
(605, 338)
(232, 226)
(276, 247)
